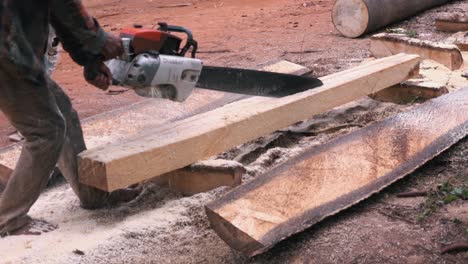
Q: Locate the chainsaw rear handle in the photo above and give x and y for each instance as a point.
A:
(191, 42)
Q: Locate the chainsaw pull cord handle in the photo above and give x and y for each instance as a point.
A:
(191, 42)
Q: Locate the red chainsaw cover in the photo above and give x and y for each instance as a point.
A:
(144, 40)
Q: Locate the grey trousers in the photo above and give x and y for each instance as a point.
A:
(43, 114)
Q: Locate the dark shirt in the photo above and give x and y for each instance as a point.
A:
(24, 33)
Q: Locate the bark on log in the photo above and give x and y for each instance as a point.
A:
(354, 18)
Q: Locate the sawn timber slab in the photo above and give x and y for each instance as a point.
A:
(387, 44)
(327, 179)
(182, 143)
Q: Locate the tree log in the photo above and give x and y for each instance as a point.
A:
(354, 18)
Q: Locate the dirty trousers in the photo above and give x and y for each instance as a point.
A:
(44, 115)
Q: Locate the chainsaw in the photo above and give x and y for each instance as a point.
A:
(155, 65)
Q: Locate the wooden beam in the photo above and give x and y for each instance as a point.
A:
(182, 143)
(327, 179)
(452, 22)
(385, 44)
(354, 18)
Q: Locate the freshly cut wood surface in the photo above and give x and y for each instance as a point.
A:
(354, 18)
(327, 179)
(384, 44)
(182, 143)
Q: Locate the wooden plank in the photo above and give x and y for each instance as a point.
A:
(452, 22)
(385, 44)
(182, 143)
(327, 179)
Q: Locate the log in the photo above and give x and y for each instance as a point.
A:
(452, 22)
(324, 180)
(354, 18)
(385, 44)
(182, 143)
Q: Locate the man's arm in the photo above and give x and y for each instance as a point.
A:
(83, 38)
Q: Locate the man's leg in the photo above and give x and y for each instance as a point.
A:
(32, 110)
(91, 198)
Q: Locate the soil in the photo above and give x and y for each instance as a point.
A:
(164, 227)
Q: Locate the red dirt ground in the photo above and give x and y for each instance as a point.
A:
(257, 31)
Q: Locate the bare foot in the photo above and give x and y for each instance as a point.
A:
(33, 227)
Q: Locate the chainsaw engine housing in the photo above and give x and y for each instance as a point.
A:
(157, 76)
(154, 64)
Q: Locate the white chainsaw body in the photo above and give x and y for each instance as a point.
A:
(157, 76)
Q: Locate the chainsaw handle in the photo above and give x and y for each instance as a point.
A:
(163, 26)
(191, 42)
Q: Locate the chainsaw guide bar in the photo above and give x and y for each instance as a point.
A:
(253, 82)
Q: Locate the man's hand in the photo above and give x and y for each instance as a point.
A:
(97, 74)
(112, 48)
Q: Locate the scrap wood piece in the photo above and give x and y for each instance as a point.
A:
(411, 91)
(412, 194)
(184, 142)
(284, 66)
(456, 247)
(206, 176)
(324, 180)
(452, 22)
(387, 44)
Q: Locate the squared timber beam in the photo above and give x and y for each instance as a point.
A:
(187, 141)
